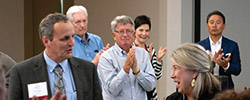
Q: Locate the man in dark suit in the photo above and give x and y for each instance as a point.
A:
(38, 74)
(226, 52)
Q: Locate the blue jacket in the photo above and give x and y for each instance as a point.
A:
(228, 46)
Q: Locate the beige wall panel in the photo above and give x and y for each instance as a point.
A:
(12, 28)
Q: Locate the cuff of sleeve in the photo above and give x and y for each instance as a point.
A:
(225, 69)
(122, 74)
(139, 75)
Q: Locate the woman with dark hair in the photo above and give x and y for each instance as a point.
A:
(142, 32)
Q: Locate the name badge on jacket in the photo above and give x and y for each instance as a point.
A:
(38, 90)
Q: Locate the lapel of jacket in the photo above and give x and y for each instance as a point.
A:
(207, 44)
(224, 46)
(41, 72)
(77, 74)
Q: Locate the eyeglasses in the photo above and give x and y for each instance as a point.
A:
(125, 31)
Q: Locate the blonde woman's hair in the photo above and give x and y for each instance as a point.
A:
(192, 56)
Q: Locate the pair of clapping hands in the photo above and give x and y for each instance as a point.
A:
(131, 62)
(220, 59)
(161, 52)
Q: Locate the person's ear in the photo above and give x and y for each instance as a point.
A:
(113, 34)
(45, 41)
(207, 26)
(195, 74)
(224, 25)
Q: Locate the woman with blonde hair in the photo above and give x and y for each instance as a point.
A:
(191, 71)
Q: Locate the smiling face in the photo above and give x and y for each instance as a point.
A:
(61, 46)
(183, 78)
(142, 34)
(215, 25)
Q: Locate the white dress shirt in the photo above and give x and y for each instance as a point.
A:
(215, 47)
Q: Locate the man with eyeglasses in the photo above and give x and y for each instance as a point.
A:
(125, 71)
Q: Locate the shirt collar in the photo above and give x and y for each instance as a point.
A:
(52, 64)
(218, 42)
(87, 36)
(145, 46)
(79, 39)
(119, 50)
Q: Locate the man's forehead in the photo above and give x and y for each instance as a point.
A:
(80, 14)
(215, 16)
(129, 25)
(61, 27)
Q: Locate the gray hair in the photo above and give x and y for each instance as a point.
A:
(123, 19)
(192, 56)
(2, 83)
(74, 9)
(46, 27)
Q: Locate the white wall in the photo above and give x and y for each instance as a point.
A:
(173, 37)
(162, 83)
(179, 30)
(237, 13)
(12, 28)
(187, 21)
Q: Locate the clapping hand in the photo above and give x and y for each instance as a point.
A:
(130, 60)
(161, 52)
(106, 47)
(97, 56)
(57, 96)
(150, 50)
(220, 59)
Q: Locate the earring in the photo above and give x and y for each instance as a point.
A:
(193, 82)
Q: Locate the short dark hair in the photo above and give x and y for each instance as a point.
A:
(142, 19)
(46, 27)
(216, 12)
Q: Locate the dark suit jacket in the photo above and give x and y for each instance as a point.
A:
(205, 96)
(228, 46)
(34, 70)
